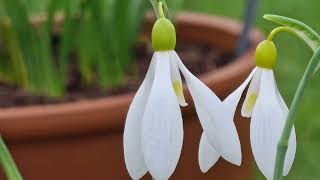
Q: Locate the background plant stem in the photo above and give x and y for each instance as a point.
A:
(7, 163)
(284, 139)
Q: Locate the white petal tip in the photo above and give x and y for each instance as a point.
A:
(137, 175)
(183, 104)
(245, 115)
(238, 163)
(204, 169)
(234, 159)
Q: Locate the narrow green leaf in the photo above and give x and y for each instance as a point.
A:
(34, 44)
(108, 56)
(6, 70)
(66, 41)
(2, 10)
(136, 16)
(85, 48)
(17, 13)
(15, 59)
(306, 33)
(53, 7)
(8, 163)
(51, 82)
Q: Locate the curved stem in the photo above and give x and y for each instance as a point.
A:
(7, 163)
(160, 8)
(284, 139)
(280, 29)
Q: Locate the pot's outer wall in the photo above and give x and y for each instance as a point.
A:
(83, 140)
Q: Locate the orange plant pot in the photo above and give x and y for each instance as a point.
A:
(83, 140)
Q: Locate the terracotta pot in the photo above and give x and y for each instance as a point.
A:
(83, 140)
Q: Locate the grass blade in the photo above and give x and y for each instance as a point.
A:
(14, 61)
(18, 16)
(8, 163)
(66, 41)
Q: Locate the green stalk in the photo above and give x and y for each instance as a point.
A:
(282, 146)
(284, 139)
(8, 163)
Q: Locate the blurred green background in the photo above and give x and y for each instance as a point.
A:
(293, 58)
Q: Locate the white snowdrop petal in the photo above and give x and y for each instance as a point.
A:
(252, 94)
(292, 141)
(291, 152)
(162, 130)
(267, 122)
(132, 132)
(221, 133)
(208, 156)
(231, 102)
(176, 80)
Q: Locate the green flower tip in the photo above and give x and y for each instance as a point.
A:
(266, 54)
(163, 35)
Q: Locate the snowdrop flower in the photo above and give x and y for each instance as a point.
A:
(153, 133)
(268, 112)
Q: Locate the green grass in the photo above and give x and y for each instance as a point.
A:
(293, 57)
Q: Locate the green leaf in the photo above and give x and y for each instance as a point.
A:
(14, 64)
(6, 71)
(53, 7)
(66, 41)
(306, 33)
(107, 56)
(86, 48)
(35, 48)
(8, 163)
(20, 25)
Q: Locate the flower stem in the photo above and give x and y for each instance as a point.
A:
(279, 29)
(160, 8)
(7, 163)
(284, 139)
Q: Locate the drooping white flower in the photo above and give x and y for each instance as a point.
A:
(268, 112)
(153, 133)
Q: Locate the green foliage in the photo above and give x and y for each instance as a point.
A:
(100, 34)
(34, 63)
(301, 30)
(304, 32)
(8, 163)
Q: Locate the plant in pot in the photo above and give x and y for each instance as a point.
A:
(69, 78)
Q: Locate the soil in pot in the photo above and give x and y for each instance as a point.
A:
(199, 58)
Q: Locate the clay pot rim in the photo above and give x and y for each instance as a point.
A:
(56, 120)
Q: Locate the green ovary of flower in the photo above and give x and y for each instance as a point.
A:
(266, 54)
(163, 35)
